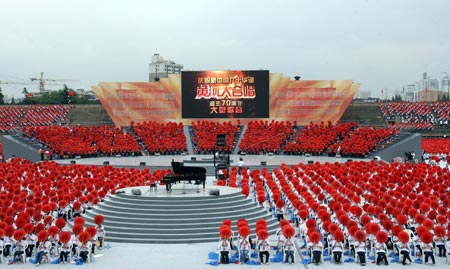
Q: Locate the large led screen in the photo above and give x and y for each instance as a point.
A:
(301, 101)
(225, 94)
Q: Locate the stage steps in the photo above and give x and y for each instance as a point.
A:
(176, 219)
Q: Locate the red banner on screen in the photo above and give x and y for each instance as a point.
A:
(225, 94)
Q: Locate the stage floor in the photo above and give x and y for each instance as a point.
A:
(181, 189)
(205, 160)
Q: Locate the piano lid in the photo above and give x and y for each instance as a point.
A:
(179, 168)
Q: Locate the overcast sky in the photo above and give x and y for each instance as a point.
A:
(379, 43)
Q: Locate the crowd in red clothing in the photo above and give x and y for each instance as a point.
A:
(205, 135)
(84, 141)
(316, 138)
(38, 197)
(368, 196)
(163, 138)
(263, 137)
(360, 199)
(436, 145)
(362, 141)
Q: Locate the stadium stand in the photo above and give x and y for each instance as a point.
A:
(10, 117)
(442, 111)
(372, 195)
(436, 145)
(409, 115)
(204, 135)
(263, 137)
(362, 141)
(45, 115)
(315, 139)
(95, 141)
(163, 138)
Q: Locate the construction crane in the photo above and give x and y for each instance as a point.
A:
(43, 81)
(21, 83)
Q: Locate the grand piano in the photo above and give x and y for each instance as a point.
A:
(184, 173)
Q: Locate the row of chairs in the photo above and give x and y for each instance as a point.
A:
(328, 251)
(46, 258)
(12, 250)
(373, 252)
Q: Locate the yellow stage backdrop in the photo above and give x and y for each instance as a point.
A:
(302, 101)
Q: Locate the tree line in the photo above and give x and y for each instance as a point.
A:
(63, 96)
